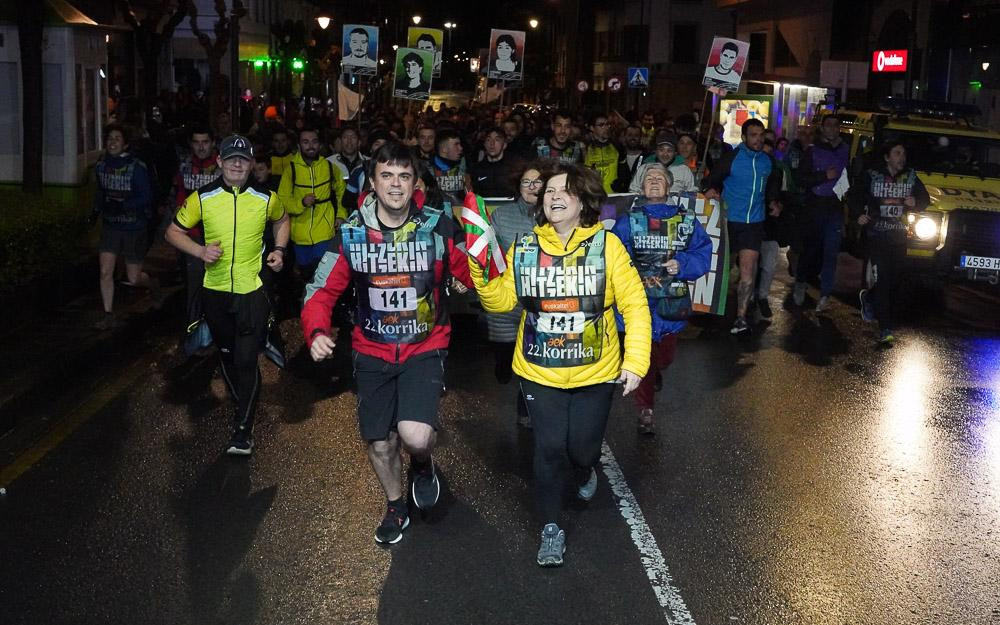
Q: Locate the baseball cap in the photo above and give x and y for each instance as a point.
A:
(236, 145)
(666, 138)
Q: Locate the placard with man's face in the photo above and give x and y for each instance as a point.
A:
(430, 40)
(360, 49)
(726, 62)
(506, 55)
(413, 74)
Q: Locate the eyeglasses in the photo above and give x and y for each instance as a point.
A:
(537, 182)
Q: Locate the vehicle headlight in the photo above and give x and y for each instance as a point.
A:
(925, 228)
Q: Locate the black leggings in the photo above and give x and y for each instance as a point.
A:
(887, 257)
(568, 423)
(239, 326)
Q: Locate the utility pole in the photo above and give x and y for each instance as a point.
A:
(234, 67)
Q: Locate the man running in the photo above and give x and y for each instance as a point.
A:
(201, 167)
(399, 254)
(559, 145)
(233, 213)
(886, 192)
(743, 178)
(312, 192)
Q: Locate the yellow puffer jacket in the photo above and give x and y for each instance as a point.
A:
(315, 224)
(622, 289)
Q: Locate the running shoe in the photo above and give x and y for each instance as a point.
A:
(587, 489)
(647, 426)
(823, 304)
(424, 485)
(867, 314)
(553, 546)
(241, 443)
(390, 530)
(764, 307)
(740, 327)
(799, 293)
(886, 337)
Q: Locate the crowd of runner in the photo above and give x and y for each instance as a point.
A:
(371, 227)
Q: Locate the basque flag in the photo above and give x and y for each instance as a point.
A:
(480, 239)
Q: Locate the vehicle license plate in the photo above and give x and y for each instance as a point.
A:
(980, 262)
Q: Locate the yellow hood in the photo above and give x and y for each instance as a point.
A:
(950, 193)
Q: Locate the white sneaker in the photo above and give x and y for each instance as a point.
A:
(823, 304)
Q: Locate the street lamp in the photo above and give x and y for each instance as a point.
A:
(416, 19)
(986, 65)
(450, 26)
(323, 20)
(533, 23)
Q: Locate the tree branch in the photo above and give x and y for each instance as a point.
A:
(178, 16)
(128, 14)
(202, 38)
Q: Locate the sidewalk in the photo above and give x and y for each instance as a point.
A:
(50, 352)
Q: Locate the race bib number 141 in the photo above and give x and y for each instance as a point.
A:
(393, 300)
(561, 323)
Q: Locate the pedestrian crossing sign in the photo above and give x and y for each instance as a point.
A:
(638, 77)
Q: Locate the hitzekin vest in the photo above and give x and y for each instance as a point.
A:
(451, 180)
(394, 277)
(194, 177)
(563, 300)
(891, 191)
(654, 242)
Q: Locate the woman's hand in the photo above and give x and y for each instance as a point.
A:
(629, 380)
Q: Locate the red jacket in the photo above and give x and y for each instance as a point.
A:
(334, 275)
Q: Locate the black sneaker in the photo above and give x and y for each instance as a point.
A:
(390, 530)
(740, 327)
(241, 443)
(424, 485)
(764, 308)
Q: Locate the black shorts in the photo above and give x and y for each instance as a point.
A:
(745, 236)
(389, 393)
(129, 244)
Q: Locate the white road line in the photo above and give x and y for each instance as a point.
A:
(669, 597)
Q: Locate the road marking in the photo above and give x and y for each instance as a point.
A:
(72, 420)
(667, 595)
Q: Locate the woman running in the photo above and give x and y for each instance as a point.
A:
(567, 274)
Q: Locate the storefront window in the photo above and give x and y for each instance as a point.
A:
(10, 109)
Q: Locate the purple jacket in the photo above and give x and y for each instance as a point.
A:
(812, 170)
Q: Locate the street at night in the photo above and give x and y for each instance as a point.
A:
(801, 476)
(563, 312)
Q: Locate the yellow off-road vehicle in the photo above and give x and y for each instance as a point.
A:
(958, 236)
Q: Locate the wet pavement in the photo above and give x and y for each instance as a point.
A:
(801, 476)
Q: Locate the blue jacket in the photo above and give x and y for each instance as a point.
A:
(695, 262)
(744, 178)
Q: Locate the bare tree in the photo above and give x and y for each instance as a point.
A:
(152, 33)
(218, 83)
(30, 21)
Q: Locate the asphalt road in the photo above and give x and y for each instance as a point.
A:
(802, 476)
